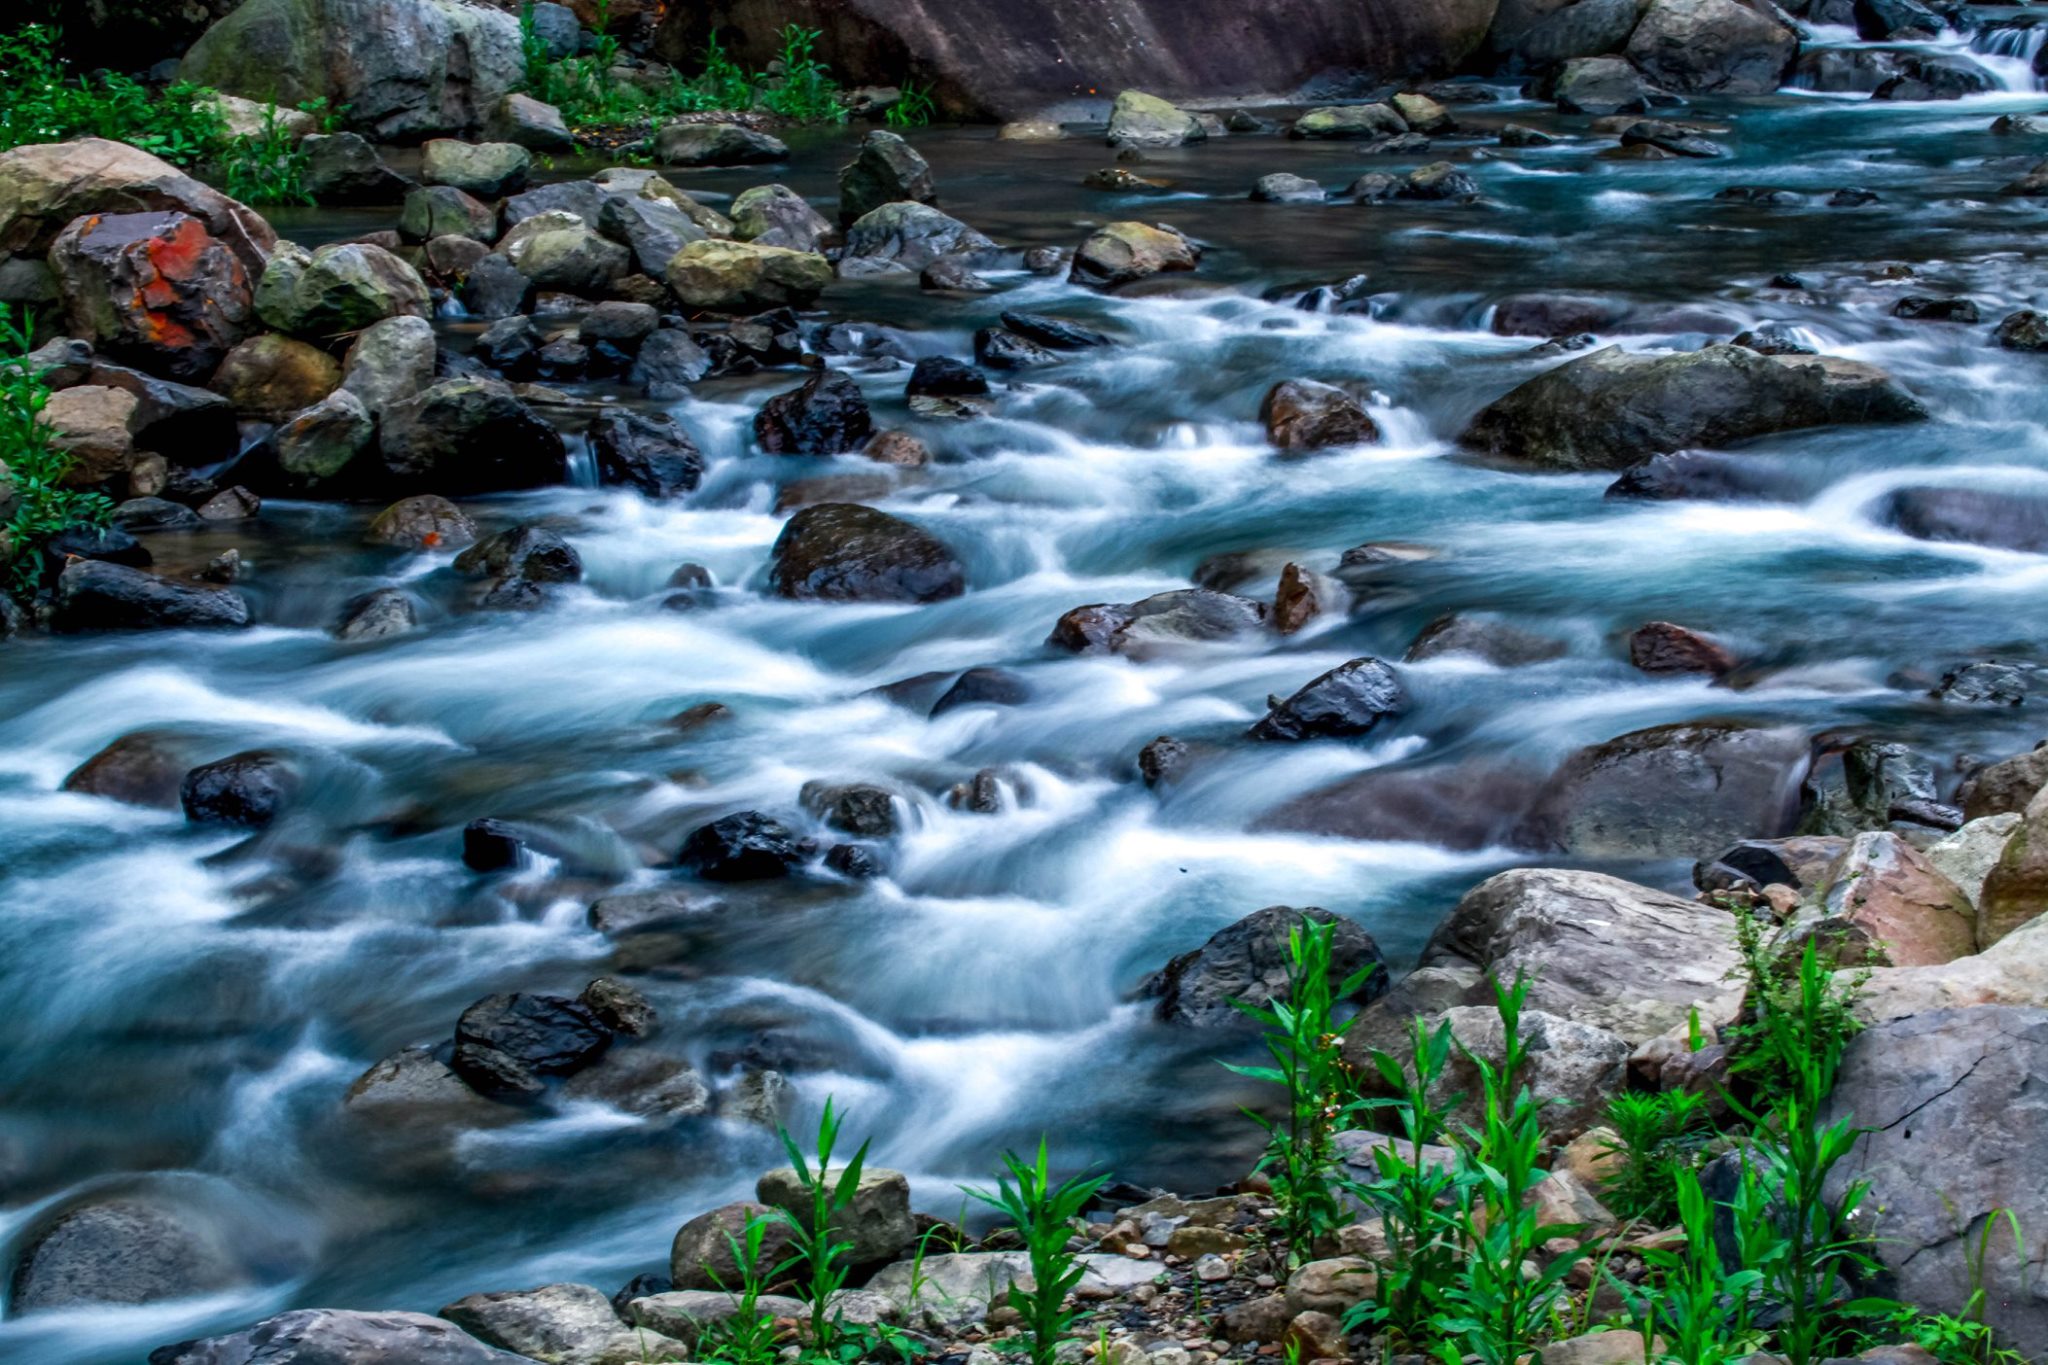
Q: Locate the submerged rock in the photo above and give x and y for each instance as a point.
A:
(715, 144)
(748, 846)
(1301, 414)
(886, 170)
(97, 595)
(826, 415)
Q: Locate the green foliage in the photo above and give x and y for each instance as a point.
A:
(1305, 1039)
(1495, 1309)
(817, 1248)
(1411, 1194)
(1044, 1215)
(806, 91)
(1704, 1312)
(267, 166)
(913, 109)
(35, 466)
(748, 1336)
(41, 100)
(1657, 1137)
(1784, 1034)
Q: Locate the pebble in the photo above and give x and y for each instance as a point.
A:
(1266, 1282)
(1212, 1268)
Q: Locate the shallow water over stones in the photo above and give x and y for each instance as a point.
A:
(193, 1001)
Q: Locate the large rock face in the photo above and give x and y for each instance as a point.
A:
(1002, 60)
(44, 187)
(1612, 408)
(1713, 45)
(1955, 1127)
(398, 68)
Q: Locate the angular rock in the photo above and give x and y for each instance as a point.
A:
(504, 1044)
(737, 277)
(319, 446)
(887, 170)
(337, 289)
(654, 230)
(95, 595)
(467, 436)
(272, 376)
(668, 363)
(489, 170)
(1602, 86)
(248, 789)
(1897, 904)
(377, 615)
(715, 144)
(775, 215)
(530, 123)
(343, 168)
(156, 290)
(826, 415)
(876, 1224)
(557, 1324)
(1662, 647)
(1350, 699)
(846, 552)
(390, 361)
(1697, 46)
(1056, 333)
(1301, 414)
(1163, 621)
(424, 522)
(906, 237)
(561, 252)
(1282, 188)
(446, 211)
(651, 455)
(748, 846)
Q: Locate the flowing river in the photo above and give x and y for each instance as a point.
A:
(186, 1010)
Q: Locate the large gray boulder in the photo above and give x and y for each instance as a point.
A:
(558, 1324)
(124, 1250)
(397, 69)
(1612, 408)
(332, 1336)
(1002, 60)
(1696, 46)
(904, 238)
(1955, 1124)
(1672, 791)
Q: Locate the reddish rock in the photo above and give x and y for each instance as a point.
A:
(1301, 598)
(1301, 414)
(155, 290)
(1909, 912)
(1661, 647)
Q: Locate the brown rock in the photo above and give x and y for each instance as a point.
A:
(1301, 597)
(1661, 647)
(272, 376)
(897, 448)
(426, 522)
(93, 426)
(2007, 785)
(1264, 1319)
(45, 186)
(1331, 1286)
(141, 769)
(1912, 914)
(1301, 414)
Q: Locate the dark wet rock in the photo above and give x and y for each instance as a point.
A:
(1522, 135)
(1800, 862)
(1457, 806)
(1672, 791)
(715, 144)
(1706, 475)
(494, 288)
(337, 289)
(1487, 638)
(377, 615)
(1004, 350)
(247, 789)
(620, 1008)
(1662, 647)
(1302, 414)
(465, 436)
(1124, 252)
(702, 1256)
(1921, 308)
(1600, 85)
(846, 552)
(343, 168)
(1853, 198)
(649, 912)
(775, 215)
(1122, 180)
(943, 375)
(1555, 315)
(747, 846)
(668, 363)
(1888, 781)
(1935, 76)
(1056, 333)
(1164, 761)
(328, 1336)
(423, 522)
(1612, 408)
(528, 552)
(99, 595)
(654, 230)
(905, 238)
(1772, 341)
(1351, 699)
(156, 290)
(825, 415)
(1247, 961)
(950, 274)
(121, 1250)
(151, 516)
(1700, 46)
(1282, 188)
(1670, 137)
(2025, 330)
(108, 544)
(1160, 622)
(886, 170)
(861, 809)
(1585, 29)
(1438, 180)
(527, 122)
(652, 455)
(445, 211)
(493, 846)
(983, 687)
(505, 1044)
(2007, 520)
(141, 769)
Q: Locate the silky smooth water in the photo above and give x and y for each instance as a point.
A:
(183, 1007)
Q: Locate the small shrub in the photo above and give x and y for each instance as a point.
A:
(267, 166)
(1783, 1034)
(806, 91)
(1657, 1137)
(1044, 1215)
(35, 466)
(42, 100)
(1704, 1312)
(816, 1247)
(1305, 1038)
(748, 1336)
(913, 109)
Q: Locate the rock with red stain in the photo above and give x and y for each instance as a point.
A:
(45, 187)
(155, 290)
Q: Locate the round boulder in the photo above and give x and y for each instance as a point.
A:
(847, 552)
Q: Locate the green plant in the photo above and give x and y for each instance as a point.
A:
(1802, 1029)
(1411, 1192)
(816, 1246)
(747, 1337)
(34, 466)
(1963, 1338)
(1704, 1313)
(1304, 1037)
(1498, 1305)
(1657, 1136)
(806, 91)
(267, 166)
(1044, 1215)
(913, 108)
(1783, 1033)
(42, 100)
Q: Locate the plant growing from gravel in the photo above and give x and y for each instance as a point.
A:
(816, 1247)
(1044, 1215)
(806, 91)
(1304, 1037)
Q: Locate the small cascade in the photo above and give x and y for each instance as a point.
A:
(2012, 54)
